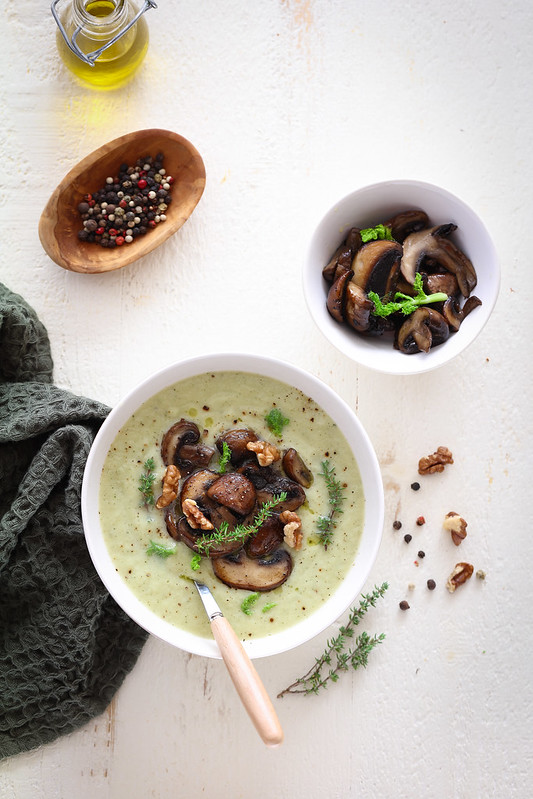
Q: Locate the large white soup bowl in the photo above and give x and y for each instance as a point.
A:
(358, 441)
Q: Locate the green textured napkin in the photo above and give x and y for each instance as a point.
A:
(65, 645)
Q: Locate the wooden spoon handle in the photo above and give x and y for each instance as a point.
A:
(247, 682)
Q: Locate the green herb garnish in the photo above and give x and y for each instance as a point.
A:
(146, 482)
(248, 602)
(268, 607)
(326, 524)
(276, 421)
(224, 458)
(338, 656)
(195, 562)
(375, 233)
(159, 549)
(405, 303)
(240, 532)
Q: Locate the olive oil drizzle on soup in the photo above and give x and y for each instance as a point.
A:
(217, 402)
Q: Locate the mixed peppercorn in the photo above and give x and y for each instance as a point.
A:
(130, 204)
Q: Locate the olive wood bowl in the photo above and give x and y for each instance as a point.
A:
(60, 221)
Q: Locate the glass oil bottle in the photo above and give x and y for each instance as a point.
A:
(103, 42)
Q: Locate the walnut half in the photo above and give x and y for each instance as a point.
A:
(292, 529)
(456, 525)
(461, 573)
(194, 515)
(171, 481)
(435, 462)
(266, 453)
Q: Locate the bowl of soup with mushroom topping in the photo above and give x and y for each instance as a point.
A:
(401, 276)
(247, 474)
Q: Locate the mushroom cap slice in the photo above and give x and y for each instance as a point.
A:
(295, 468)
(234, 491)
(453, 313)
(180, 447)
(269, 483)
(182, 432)
(335, 300)
(376, 266)
(336, 266)
(471, 303)
(357, 308)
(432, 243)
(342, 257)
(407, 222)
(236, 440)
(266, 539)
(253, 574)
(193, 456)
(295, 493)
(196, 487)
(425, 328)
(171, 522)
(259, 475)
(440, 281)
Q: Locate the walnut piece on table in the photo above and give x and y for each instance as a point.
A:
(435, 462)
(171, 480)
(456, 525)
(461, 573)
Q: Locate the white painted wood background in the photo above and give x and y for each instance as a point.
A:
(293, 104)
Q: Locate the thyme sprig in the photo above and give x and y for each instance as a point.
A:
(146, 482)
(338, 655)
(327, 524)
(240, 532)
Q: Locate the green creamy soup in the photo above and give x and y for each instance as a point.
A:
(217, 402)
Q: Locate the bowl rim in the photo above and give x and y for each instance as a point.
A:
(366, 459)
(370, 352)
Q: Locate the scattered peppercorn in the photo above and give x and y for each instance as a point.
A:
(407, 538)
(404, 605)
(431, 584)
(421, 553)
(420, 521)
(397, 525)
(415, 486)
(129, 205)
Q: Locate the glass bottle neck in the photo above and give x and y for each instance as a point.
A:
(101, 18)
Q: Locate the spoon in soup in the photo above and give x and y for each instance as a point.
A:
(245, 678)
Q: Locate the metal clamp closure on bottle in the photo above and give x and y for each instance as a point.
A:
(90, 58)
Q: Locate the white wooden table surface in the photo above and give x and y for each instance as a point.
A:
(292, 104)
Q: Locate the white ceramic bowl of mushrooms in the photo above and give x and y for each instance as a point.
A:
(435, 234)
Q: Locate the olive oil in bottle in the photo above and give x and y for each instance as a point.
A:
(86, 30)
